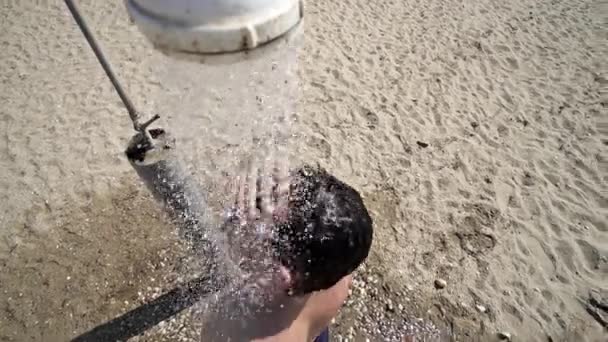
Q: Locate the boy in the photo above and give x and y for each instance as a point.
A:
(297, 240)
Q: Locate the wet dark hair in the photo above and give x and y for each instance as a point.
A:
(328, 233)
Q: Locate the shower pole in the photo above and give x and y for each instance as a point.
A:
(153, 155)
(133, 113)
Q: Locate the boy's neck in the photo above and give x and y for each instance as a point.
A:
(298, 331)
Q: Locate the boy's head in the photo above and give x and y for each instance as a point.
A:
(327, 234)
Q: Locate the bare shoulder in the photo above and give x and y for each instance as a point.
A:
(248, 314)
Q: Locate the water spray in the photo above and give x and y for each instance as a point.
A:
(207, 31)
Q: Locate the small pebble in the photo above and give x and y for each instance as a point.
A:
(504, 336)
(440, 283)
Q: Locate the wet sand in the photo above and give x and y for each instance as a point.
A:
(475, 130)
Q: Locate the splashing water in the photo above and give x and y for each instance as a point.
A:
(222, 115)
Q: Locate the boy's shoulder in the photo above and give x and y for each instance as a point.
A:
(247, 312)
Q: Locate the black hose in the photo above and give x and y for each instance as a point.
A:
(146, 316)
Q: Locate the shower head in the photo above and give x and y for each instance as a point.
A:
(205, 28)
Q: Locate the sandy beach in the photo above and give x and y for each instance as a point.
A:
(476, 132)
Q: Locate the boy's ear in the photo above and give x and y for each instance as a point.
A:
(286, 278)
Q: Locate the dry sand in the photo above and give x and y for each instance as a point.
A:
(476, 131)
